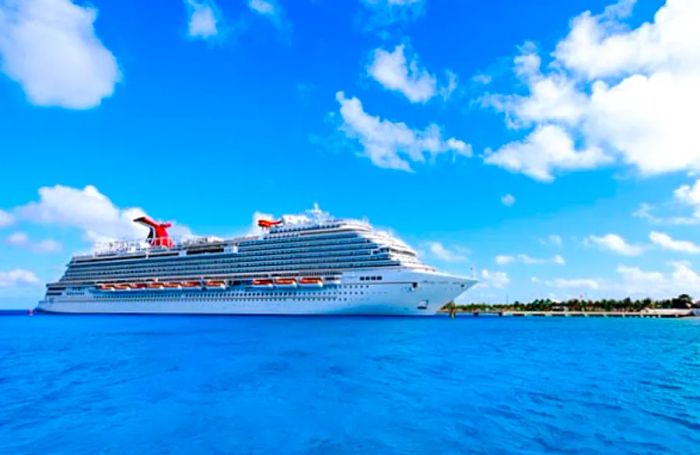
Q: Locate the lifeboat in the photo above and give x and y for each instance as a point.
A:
(332, 281)
(263, 283)
(285, 282)
(121, 287)
(191, 284)
(106, 287)
(215, 284)
(311, 282)
(172, 285)
(155, 285)
(138, 285)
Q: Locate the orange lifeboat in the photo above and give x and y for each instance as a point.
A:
(121, 287)
(155, 285)
(215, 284)
(191, 284)
(285, 282)
(172, 285)
(265, 283)
(311, 282)
(138, 285)
(106, 287)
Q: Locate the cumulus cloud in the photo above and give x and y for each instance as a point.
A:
(17, 276)
(50, 48)
(616, 244)
(203, 20)
(21, 239)
(622, 94)
(666, 242)
(397, 73)
(682, 278)
(393, 145)
(441, 252)
(547, 148)
(508, 200)
(88, 210)
(690, 195)
(6, 219)
(493, 279)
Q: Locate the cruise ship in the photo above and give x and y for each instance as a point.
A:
(299, 264)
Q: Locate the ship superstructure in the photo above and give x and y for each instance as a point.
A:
(300, 264)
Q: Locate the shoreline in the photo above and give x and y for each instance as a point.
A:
(660, 313)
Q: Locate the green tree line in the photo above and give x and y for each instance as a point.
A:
(683, 301)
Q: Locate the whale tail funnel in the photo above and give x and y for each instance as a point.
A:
(158, 232)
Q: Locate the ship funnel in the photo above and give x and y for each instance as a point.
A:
(158, 232)
(267, 224)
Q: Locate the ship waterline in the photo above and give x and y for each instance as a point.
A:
(300, 264)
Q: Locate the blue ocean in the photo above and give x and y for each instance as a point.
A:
(170, 384)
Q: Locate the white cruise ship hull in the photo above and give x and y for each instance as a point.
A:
(400, 293)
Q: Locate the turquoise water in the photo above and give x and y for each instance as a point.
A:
(126, 384)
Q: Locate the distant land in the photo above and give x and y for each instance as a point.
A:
(682, 302)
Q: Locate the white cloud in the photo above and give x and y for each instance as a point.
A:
(21, 239)
(573, 283)
(508, 200)
(493, 279)
(17, 239)
(503, 259)
(386, 12)
(88, 210)
(690, 195)
(203, 19)
(681, 279)
(687, 195)
(645, 211)
(666, 242)
(554, 240)
(526, 259)
(268, 8)
(615, 243)
(450, 86)
(551, 97)
(394, 72)
(6, 219)
(627, 94)
(483, 79)
(454, 254)
(50, 48)
(394, 145)
(265, 7)
(17, 276)
(547, 149)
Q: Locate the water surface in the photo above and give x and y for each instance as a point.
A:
(169, 384)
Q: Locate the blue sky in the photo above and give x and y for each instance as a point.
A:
(548, 147)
